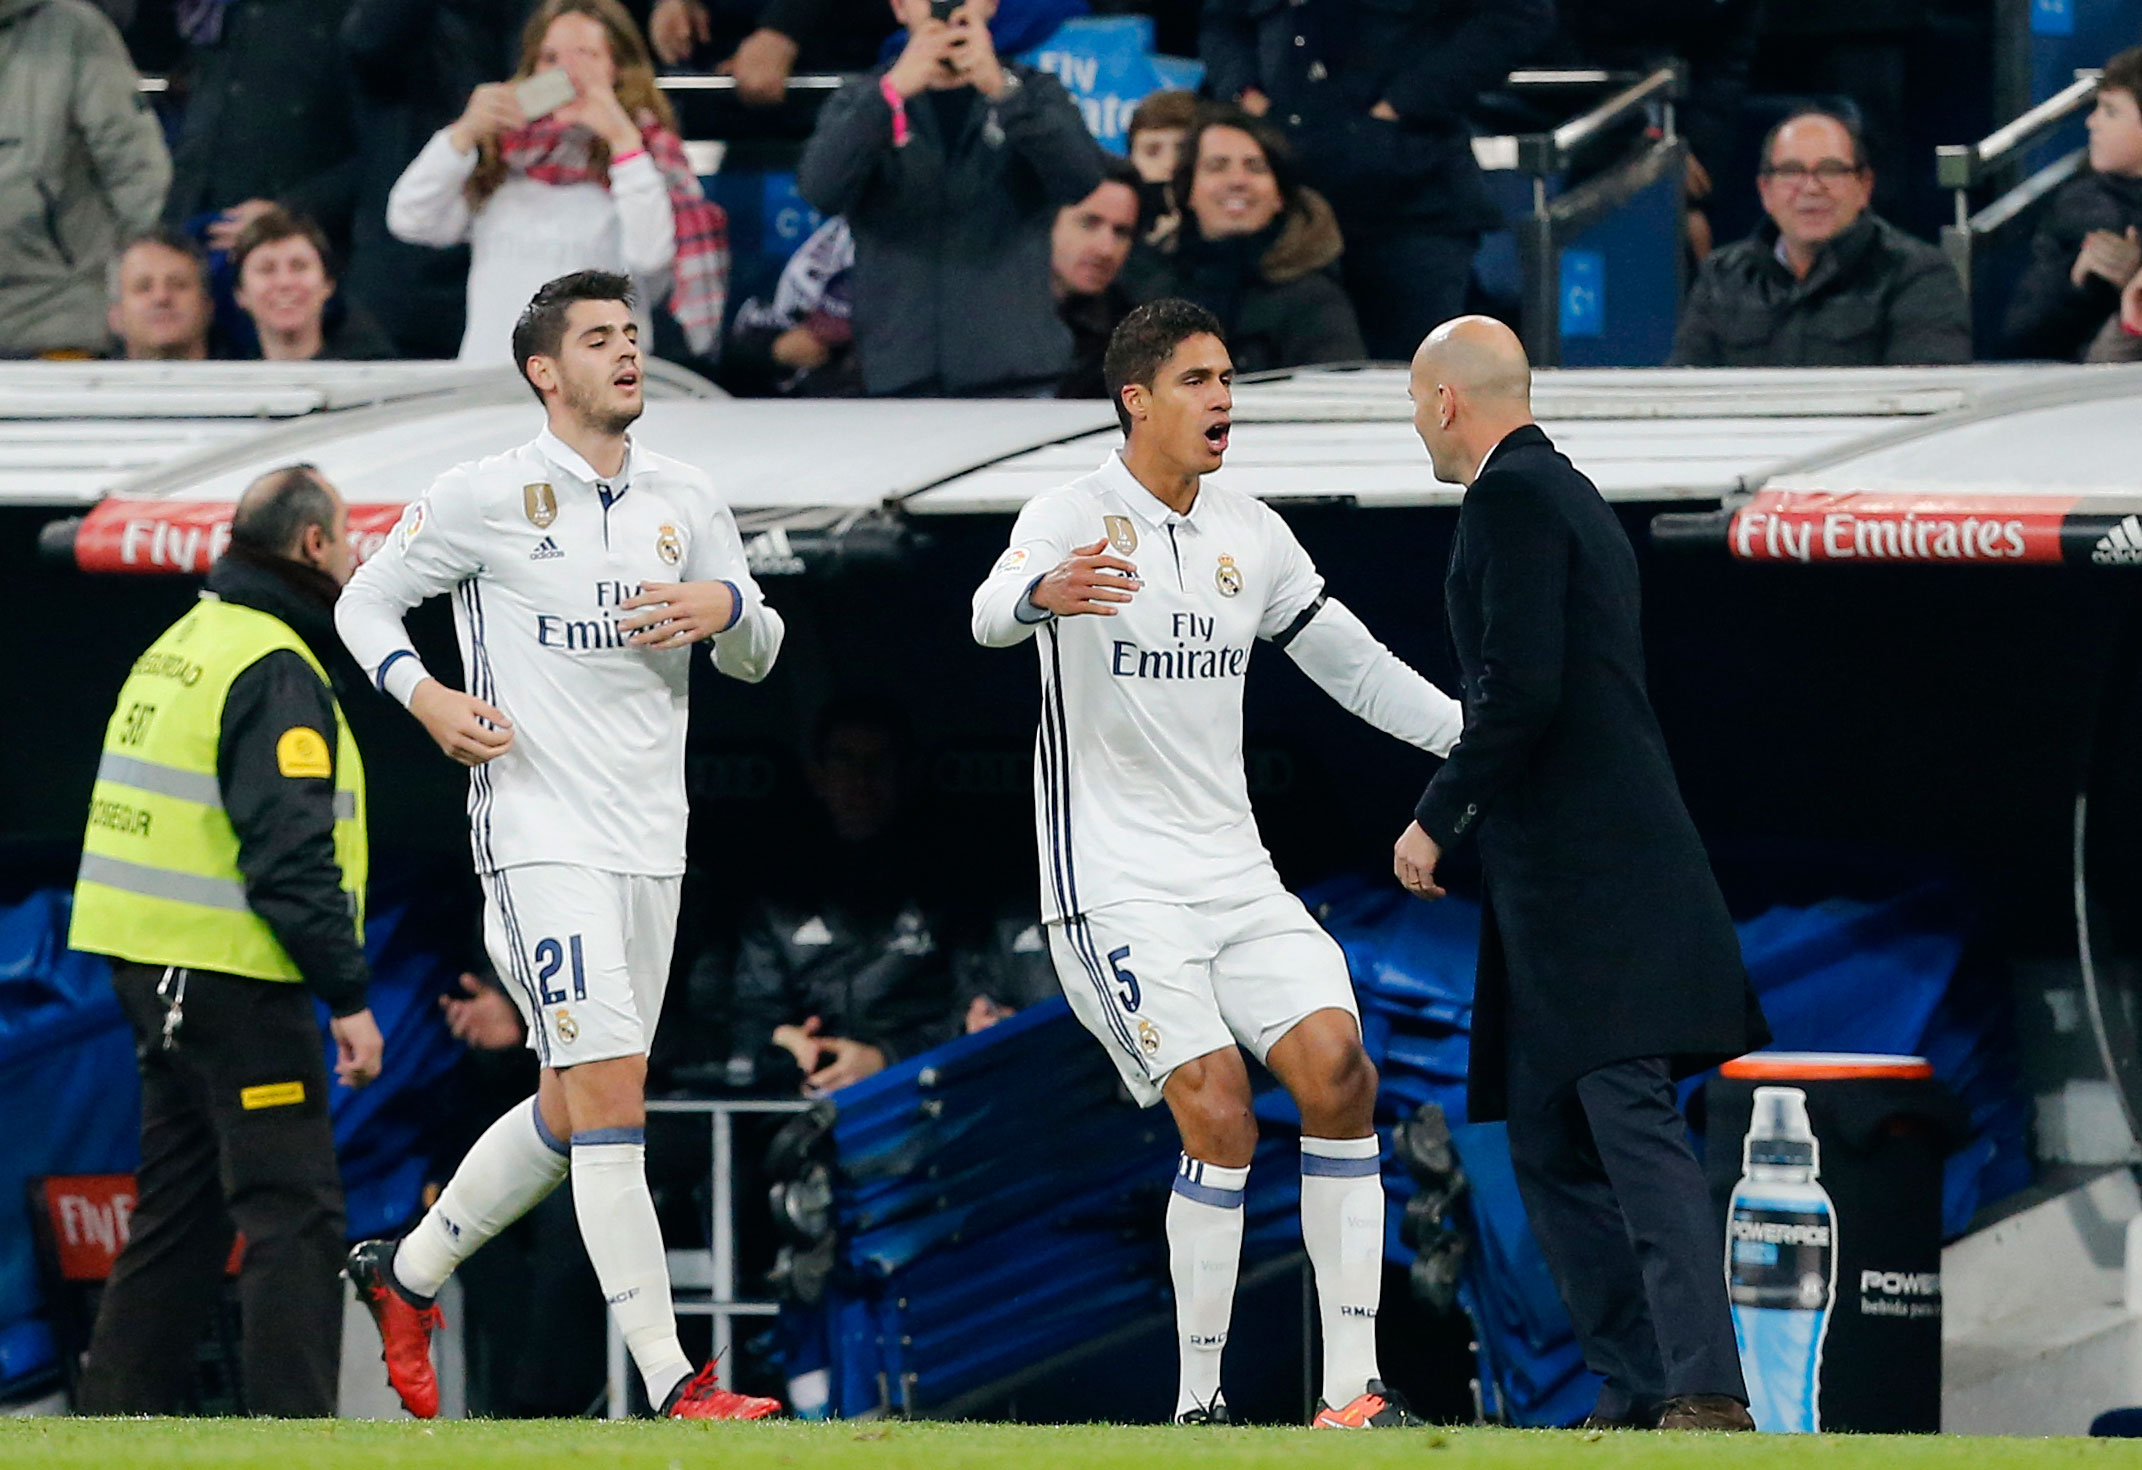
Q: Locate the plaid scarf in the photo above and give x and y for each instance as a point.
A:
(552, 153)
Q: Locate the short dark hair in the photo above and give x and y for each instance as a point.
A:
(276, 508)
(1173, 109)
(2124, 73)
(1119, 171)
(276, 224)
(1146, 339)
(178, 242)
(541, 330)
(1851, 127)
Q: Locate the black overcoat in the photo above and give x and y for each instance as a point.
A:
(1604, 935)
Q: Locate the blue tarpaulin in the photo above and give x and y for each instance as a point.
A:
(72, 1098)
(1885, 976)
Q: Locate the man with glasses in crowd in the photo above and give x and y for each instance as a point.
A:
(1824, 282)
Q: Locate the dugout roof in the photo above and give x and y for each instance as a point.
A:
(72, 434)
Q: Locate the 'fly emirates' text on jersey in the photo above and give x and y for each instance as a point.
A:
(1140, 791)
(540, 554)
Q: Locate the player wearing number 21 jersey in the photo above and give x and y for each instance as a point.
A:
(583, 567)
(1144, 591)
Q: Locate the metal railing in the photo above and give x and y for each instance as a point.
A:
(1552, 223)
(1963, 167)
(703, 1283)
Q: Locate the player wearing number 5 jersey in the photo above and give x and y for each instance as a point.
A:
(1144, 591)
(583, 567)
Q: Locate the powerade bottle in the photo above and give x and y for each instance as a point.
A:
(1781, 1264)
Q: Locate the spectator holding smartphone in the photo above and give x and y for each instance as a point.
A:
(540, 182)
(950, 165)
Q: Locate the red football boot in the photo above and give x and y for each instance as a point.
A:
(405, 1329)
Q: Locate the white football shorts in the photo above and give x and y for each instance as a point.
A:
(1160, 984)
(585, 955)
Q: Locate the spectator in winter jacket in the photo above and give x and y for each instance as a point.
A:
(82, 167)
(1373, 95)
(286, 284)
(950, 165)
(841, 967)
(1255, 247)
(599, 183)
(2089, 245)
(268, 118)
(412, 64)
(1824, 282)
(1154, 142)
(1087, 250)
(800, 343)
(160, 309)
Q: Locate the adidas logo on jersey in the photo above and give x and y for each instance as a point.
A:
(546, 550)
(2121, 546)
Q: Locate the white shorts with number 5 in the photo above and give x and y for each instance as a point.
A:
(585, 955)
(1161, 984)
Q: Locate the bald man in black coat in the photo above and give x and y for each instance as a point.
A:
(1608, 968)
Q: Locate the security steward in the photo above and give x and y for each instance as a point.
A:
(223, 870)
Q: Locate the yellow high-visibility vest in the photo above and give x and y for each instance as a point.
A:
(159, 882)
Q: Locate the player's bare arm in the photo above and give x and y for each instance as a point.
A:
(1089, 580)
(467, 729)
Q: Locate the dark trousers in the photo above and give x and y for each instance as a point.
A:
(1623, 1216)
(1405, 281)
(221, 1146)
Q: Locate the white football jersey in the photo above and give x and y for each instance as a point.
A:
(540, 553)
(1139, 785)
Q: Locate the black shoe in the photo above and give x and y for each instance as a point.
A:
(1212, 1413)
(1715, 1412)
(1375, 1407)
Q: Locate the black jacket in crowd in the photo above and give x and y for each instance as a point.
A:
(2049, 316)
(951, 279)
(1604, 936)
(1877, 297)
(412, 65)
(269, 116)
(1325, 63)
(1716, 38)
(1277, 293)
(1093, 320)
(286, 824)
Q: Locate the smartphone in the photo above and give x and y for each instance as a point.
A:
(544, 93)
(942, 9)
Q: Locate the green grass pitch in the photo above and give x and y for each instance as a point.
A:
(145, 1444)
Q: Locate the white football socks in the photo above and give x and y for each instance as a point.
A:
(1342, 1226)
(624, 1243)
(509, 1171)
(1204, 1257)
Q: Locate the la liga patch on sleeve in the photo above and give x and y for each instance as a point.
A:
(1011, 561)
(302, 751)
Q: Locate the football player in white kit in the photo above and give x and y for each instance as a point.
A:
(583, 568)
(1171, 932)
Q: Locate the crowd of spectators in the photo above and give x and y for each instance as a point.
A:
(367, 178)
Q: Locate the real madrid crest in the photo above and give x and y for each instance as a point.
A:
(1122, 535)
(568, 1032)
(1228, 577)
(1148, 1038)
(669, 546)
(541, 503)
